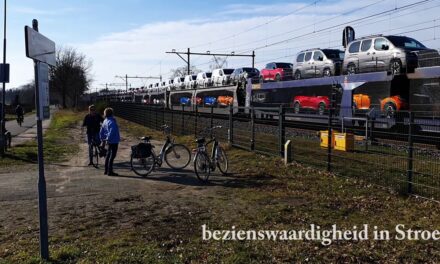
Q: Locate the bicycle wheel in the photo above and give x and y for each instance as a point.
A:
(222, 160)
(95, 154)
(177, 156)
(202, 166)
(143, 166)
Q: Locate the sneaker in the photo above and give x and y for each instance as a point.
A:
(113, 174)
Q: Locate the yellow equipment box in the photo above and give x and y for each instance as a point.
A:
(324, 138)
(343, 141)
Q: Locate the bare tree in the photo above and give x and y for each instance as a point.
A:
(70, 78)
(182, 71)
(218, 62)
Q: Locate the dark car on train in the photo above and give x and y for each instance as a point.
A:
(241, 74)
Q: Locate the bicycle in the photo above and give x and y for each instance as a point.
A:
(96, 152)
(203, 163)
(143, 159)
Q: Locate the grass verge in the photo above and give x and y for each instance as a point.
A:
(59, 142)
(162, 223)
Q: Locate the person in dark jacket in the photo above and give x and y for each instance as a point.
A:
(93, 122)
(110, 134)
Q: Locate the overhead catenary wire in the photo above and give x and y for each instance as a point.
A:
(339, 25)
(259, 25)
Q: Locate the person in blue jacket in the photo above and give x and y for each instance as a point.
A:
(110, 134)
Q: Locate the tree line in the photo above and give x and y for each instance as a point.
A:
(69, 79)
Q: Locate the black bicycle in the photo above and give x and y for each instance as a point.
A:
(143, 159)
(205, 164)
(96, 152)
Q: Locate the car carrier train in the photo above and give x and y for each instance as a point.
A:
(381, 77)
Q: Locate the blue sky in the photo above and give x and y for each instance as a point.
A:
(132, 36)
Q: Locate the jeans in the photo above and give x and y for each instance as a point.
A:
(92, 139)
(111, 155)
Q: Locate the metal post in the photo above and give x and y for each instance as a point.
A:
(410, 152)
(212, 118)
(329, 136)
(182, 131)
(252, 128)
(196, 113)
(253, 59)
(282, 130)
(189, 63)
(42, 195)
(231, 125)
(172, 118)
(126, 82)
(2, 117)
(156, 109)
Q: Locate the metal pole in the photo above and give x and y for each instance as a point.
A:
(252, 128)
(42, 195)
(126, 82)
(196, 112)
(410, 152)
(253, 59)
(188, 62)
(212, 120)
(183, 121)
(329, 132)
(231, 125)
(282, 131)
(2, 117)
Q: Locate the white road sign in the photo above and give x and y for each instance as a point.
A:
(39, 47)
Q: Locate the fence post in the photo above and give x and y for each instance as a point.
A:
(329, 136)
(281, 130)
(196, 113)
(231, 126)
(163, 115)
(212, 119)
(172, 118)
(183, 120)
(410, 152)
(155, 119)
(252, 128)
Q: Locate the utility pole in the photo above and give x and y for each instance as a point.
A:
(208, 53)
(3, 123)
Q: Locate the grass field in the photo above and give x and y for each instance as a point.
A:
(159, 221)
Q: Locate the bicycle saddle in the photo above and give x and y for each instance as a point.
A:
(145, 138)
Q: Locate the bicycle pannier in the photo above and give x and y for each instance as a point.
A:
(142, 150)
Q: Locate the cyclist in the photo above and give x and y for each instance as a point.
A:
(93, 122)
(19, 112)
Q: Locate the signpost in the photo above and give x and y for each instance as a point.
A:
(42, 51)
